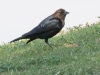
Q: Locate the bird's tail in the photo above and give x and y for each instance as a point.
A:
(16, 39)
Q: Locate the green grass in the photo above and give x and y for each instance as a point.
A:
(75, 53)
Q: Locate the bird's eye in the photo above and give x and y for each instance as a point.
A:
(61, 12)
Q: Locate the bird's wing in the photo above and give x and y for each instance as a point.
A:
(46, 25)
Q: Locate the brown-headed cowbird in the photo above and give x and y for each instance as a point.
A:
(49, 27)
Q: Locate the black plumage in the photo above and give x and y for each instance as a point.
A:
(49, 27)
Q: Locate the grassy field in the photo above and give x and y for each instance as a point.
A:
(75, 53)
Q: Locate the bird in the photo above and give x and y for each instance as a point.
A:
(47, 28)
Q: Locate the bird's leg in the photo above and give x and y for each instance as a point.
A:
(29, 41)
(46, 40)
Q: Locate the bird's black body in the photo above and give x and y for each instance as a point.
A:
(46, 29)
(49, 27)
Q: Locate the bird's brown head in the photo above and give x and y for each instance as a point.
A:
(60, 14)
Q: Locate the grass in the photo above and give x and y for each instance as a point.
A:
(75, 53)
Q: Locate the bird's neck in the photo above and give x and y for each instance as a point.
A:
(61, 18)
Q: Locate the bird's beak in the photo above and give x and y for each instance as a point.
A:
(67, 12)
